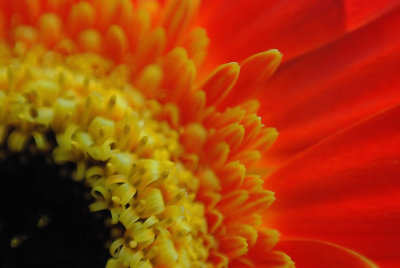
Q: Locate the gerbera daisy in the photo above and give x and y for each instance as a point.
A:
(168, 144)
(334, 101)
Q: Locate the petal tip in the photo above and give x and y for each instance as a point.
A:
(261, 65)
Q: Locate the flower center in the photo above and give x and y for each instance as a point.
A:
(128, 157)
(45, 218)
(171, 159)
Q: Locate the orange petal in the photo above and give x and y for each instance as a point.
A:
(81, 16)
(233, 246)
(232, 134)
(177, 17)
(90, 40)
(219, 260)
(233, 175)
(50, 28)
(179, 74)
(261, 254)
(220, 82)
(196, 43)
(255, 71)
(116, 42)
(27, 11)
(232, 201)
(151, 47)
(244, 230)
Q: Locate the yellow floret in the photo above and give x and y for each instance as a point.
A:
(128, 158)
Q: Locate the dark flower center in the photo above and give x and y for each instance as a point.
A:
(45, 219)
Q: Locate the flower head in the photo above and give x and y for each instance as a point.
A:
(162, 150)
(170, 145)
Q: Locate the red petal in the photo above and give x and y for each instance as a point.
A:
(360, 12)
(308, 253)
(345, 190)
(335, 86)
(238, 29)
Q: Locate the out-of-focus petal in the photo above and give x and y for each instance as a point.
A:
(333, 87)
(239, 28)
(313, 254)
(360, 12)
(345, 190)
(242, 28)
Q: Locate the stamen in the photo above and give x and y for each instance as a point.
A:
(116, 83)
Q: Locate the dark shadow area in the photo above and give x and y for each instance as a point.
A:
(44, 217)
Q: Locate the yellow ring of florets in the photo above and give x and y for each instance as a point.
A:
(128, 158)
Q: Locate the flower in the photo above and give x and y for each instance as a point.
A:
(172, 157)
(115, 83)
(334, 101)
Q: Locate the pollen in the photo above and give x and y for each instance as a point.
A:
(129, 159)
(172, 163)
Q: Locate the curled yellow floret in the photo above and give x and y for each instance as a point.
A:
(116, 83)
(128, 158)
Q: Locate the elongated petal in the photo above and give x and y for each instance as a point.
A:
(345, 190)
(294, 27)
(335, 86)
(255, 71)
(220, 82)
(313, 254)
(359, 13)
